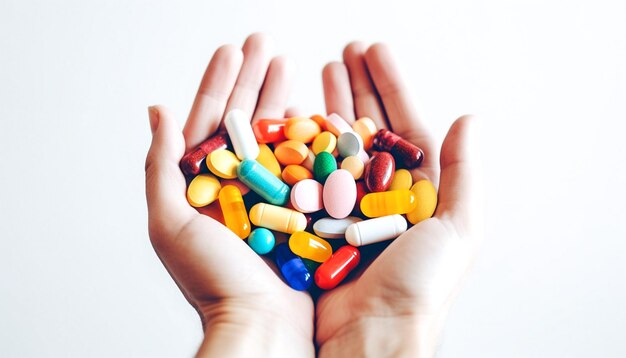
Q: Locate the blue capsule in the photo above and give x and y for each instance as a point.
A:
(261, 240)
(292, 268)
(263, 182)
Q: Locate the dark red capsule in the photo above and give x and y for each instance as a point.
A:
(406, 153)
(379, 172)
(337, 267)
(361, 190)
(192, 161)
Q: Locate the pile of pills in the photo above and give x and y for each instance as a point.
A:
(318, 180)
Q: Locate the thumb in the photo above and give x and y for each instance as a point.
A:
(168, 209)
(460, 187)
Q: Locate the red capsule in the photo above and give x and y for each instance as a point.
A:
(337, 267)
(379, 172)
(361, 191)
(405, 152)
(269, 130)
(192, 161)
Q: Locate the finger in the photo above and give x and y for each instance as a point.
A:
(215, 88)
(401, 112)
(460, 189)
(366, 101)
(293, 112)
(337, 93)
(168, 210)
(256, 60)
(276, 89)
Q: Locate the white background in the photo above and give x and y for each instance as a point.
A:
(78, 276)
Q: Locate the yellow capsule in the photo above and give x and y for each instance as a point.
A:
(203, 190)
(309, 246)
(277, 218)
(223, 163)
(267, 159)
(234, 211)
(324, 142)
(385, 203)
(354, 165)
(402, 179)
(426, 198)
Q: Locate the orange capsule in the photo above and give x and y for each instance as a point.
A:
(234, 210)
(269, 130)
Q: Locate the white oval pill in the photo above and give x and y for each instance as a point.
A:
(349, 143)
(330, 228)
(241, 135)
(375, 230)
(306, 196)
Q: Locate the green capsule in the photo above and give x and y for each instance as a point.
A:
(324, 164)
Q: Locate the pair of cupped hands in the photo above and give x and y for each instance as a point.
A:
(397, 301)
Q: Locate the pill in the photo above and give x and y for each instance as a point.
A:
(234, 211)
(337, 125)
(237, 124)
(320, 120)
(337, 267)
(263, 182)
(261, 240)
(223, 163)
(375, 230)
(329, 228)
(406, 153)
(267, 159)
(324, 142)
(402, 179)
(306, 196)
(277, 218)
(426, 199)
(365, 158)
(366, 128)
(291, 152)
(292, 268)
(379, 172)
(324, 164)
(349, 143)
(354, 165)
(243, 188)
(302, 129)
(203, 190)
(309, 246)
(361, 191)
(309, 161)
(191, 163)
(294, 173)
(269, 130)
(339, 194)
(385, 203)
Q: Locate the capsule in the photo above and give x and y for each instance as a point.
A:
(405, 152)
(309, 246)
(191, 163)
(277, 218)
(337, 267)
(375, 230)
(263, 182)
(292, 268)
(241, 135)
(379, 172)
(385, 203)
(234, 211)
(269, 130)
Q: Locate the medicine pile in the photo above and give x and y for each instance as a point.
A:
(319, 180)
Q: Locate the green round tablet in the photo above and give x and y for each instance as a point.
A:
(324, 164)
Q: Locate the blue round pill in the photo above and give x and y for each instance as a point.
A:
(261, 241)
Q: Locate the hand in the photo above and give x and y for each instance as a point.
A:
(398, 305)
(245, 307)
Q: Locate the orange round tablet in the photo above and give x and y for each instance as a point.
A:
(302, 129)
(295, 173)
(291, 152)
(366, 128)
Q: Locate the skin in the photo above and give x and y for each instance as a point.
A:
(397, 303)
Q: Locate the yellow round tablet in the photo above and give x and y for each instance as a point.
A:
(223, 163)
(402, 179)
(203, 190)
(366, 128)
(426, 199)
(354, 165)
(324, 142)
(267, 159)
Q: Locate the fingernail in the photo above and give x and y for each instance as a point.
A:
(153, 114)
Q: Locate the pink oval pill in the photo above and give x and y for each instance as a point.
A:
(339, 193)
(306, 196)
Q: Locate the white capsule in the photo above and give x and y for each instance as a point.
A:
(375, 230)
(349, 143)
(330, 228)
(241, 135)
